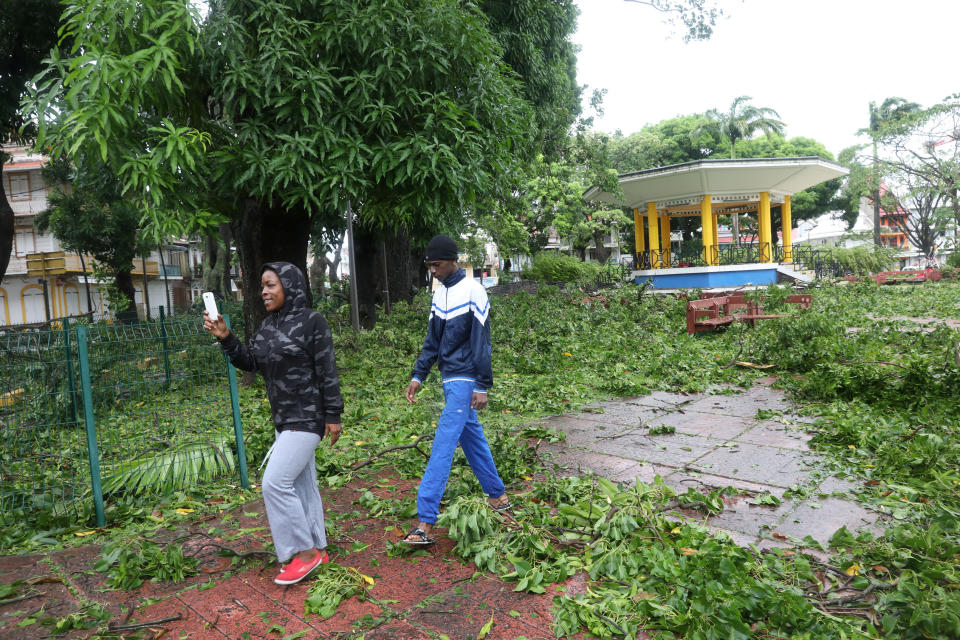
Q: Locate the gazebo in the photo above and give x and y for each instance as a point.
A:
(708, 189)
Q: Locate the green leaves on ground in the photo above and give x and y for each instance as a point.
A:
(331, 586)
(128, 565)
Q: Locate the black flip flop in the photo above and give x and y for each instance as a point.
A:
(506, 506)
(424, 539)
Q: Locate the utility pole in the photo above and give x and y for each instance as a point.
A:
(354, 303)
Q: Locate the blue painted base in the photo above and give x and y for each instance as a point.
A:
(704, 277)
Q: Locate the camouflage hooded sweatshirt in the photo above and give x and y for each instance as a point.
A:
(293, 351)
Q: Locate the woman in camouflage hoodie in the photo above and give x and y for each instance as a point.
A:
(293, 351)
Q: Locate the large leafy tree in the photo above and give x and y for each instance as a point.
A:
(886, 119)
(535, 37)
(585, 223)
(918, 160)
(808, 203)
(664, 143)
(28, 31)
(288, 110)
(92, 217)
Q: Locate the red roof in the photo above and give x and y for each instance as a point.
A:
(33, 164)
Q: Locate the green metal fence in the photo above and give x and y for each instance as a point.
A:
(92, 415)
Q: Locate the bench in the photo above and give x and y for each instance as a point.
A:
(907, 275)
(717, 311)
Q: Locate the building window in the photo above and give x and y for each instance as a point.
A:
(23, 241)
(19, 187)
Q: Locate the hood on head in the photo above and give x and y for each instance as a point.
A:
(293, 282)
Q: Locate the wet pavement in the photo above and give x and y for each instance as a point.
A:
(748, 439)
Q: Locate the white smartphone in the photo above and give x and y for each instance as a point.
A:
(210, 303)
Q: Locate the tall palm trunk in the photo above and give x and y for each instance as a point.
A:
(876, 199)
(734, 217)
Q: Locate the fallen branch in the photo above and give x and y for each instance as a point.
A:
(239, 554)
(629, 431)
(857, 597)
(612, 623)
(413, 445)
(143, 625)
(889, 364)
(734, 359)
(26, 597)
(219, 452)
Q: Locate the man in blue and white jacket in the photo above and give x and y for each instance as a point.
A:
(458, 340)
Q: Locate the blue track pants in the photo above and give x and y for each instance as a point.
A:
(458, 424)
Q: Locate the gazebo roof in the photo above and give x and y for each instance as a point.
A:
(726, 180)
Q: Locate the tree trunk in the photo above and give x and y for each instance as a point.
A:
(333, 266)
(603, 251)
(401, 267)
(6, 226)
(316, 276)
(216, 262)
(267, 234)
(146, 289)
(735, 228)
(876, 217)
(419, 274)
(225, 284)
(367, 271)
(876, 197)
(955, 206)
(124, 281)
(405, 270)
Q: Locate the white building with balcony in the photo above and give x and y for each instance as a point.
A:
(162, 279)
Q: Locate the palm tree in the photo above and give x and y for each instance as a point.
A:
(740, 122)
(887, 113)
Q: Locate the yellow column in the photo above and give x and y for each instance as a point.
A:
(787, 224)
(654, 234)
(665, 239)
(706, 222)
(763, 222)
(639, 242)
(52, 295)
(716, 231)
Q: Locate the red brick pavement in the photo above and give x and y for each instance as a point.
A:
(430, 595)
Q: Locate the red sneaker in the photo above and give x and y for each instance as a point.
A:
(296, 570)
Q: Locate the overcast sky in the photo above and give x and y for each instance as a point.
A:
(819, 63)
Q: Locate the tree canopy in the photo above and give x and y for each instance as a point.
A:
(738, 123)
(91, 216)
(911, 165)
(272, 111)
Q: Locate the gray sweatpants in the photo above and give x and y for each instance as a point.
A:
(290, 494)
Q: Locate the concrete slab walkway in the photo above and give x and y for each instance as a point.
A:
(748, 439)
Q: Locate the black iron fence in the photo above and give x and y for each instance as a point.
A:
(803, 258)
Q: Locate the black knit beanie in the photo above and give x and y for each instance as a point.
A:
(441, 247)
